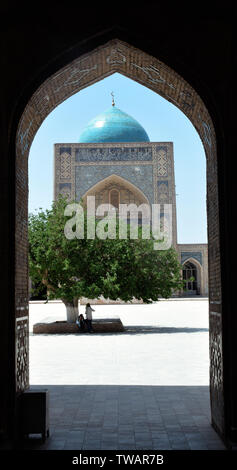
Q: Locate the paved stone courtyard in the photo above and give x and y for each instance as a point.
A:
(146, 388)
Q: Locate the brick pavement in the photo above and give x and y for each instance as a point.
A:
(146, 388)
(112, 417)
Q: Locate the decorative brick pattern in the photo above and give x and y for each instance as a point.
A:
(65, 167)
(115, 56)
(162, 161)
(216, 367)
(163, 192)
(22, 352)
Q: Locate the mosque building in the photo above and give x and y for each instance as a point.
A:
(115, 161)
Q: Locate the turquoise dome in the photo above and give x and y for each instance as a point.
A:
(113, 126)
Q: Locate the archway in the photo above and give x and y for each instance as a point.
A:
(116, 190)
(192, 277)
(117, 56)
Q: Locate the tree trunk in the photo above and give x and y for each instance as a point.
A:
(72, 310)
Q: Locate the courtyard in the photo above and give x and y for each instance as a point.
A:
(145, 388)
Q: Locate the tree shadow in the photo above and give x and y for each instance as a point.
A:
(161, 330)
(133, 330)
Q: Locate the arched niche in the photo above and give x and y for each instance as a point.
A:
(127, 193)
(192, 269)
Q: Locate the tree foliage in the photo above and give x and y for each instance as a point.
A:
(114, 268)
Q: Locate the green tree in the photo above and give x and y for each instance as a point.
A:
(115, 268)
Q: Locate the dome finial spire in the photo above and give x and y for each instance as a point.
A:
(112, 94)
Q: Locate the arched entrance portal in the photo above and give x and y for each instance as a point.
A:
(116, 190)
(117, 56)
(190, 276)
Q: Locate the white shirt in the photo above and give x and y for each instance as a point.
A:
(89, 311)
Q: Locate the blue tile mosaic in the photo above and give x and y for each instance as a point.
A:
(141, 176)
(95, 154)
(161, 147)
(189, 254)
(64, 185)
(65, 150)
(160, 183)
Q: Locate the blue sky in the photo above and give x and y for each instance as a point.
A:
(162, 121)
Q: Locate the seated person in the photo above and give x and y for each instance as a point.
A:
(81, 323)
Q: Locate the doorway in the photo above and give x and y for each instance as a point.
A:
(117, 56)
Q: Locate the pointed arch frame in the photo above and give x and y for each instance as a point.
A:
(120, 180)
(121, 57)
(199, 270)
